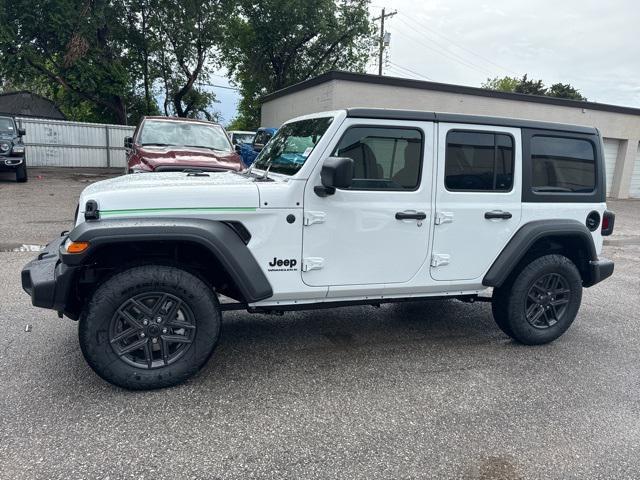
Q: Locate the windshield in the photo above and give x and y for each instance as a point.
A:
(184, 134)
(243, 137)
(6, 126)
(290, 147)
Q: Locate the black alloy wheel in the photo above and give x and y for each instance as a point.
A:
(547, 301)
(152, 329)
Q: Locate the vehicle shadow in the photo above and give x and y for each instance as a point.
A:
(337, 338)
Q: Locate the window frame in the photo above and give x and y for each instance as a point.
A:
(493, 132)
(388, 127)
(529, 195)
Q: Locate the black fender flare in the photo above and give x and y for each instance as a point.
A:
(221, 239)
(527, 236)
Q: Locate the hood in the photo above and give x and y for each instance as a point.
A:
(167, 193)
(184, 157)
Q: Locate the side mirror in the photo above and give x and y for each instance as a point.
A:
(22, 132)
(258, 147)
(128, 142)
(337, 172)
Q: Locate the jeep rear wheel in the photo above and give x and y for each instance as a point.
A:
(541, 302)
(150, 327)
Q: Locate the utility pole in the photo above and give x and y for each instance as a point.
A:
(382, 38)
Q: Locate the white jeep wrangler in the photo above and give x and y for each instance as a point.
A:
(359, 206)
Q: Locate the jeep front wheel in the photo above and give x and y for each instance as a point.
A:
(541, 302)
(150, 327)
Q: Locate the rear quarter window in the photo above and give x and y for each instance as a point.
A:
(562, 166)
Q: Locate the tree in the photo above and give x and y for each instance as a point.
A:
(272, 44)
(79, 45)
(564, 90)
(504, 84)
(532, 87)
(187, 33)
(108, 60)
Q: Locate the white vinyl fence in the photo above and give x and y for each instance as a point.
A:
(56, 143)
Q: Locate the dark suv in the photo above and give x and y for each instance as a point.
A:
(12, 157)
(165, 144)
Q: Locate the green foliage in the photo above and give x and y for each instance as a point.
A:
(109, 60)
(501, 84)
(187, 34)
(80, 46)
(106, 60)
(532, 87)
(272, 44)
(564, 90)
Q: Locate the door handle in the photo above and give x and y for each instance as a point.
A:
(497, 214)
(411, 216)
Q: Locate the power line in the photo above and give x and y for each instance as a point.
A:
(218, 86)
(446, 52)
(399, 73)
(419, 26)
(400, 67)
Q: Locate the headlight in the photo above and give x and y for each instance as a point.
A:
(4, 147)
(18, 149)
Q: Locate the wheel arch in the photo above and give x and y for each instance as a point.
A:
(567, 237)
(212, 247)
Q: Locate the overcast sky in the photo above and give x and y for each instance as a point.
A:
(592, 44)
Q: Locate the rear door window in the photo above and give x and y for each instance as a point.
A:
(478, 161)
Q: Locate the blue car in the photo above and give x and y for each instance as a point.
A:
(249, 151)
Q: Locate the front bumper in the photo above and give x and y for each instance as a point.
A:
(10, 163)
(47, 280)
(599, 270)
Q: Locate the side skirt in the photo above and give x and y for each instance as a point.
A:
(350, 303)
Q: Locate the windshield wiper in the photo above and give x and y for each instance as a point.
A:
(155, 144)
(265, 175)
(208, 148)
(195, 172)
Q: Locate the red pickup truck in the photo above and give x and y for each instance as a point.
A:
(169, 144)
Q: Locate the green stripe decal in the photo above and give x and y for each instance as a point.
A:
(133, 211)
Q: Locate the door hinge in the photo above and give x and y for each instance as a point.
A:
(443, 217)
(311, 217)
(312, 263)
(439, 259)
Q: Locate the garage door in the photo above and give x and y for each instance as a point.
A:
(634, 190)
(610, 155)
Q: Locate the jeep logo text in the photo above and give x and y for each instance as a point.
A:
(278, 264)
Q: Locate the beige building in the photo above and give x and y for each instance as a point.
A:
(619, 126)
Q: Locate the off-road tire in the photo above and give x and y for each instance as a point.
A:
(509, 302)
(499, 304)
(21, 172)
(95, 324)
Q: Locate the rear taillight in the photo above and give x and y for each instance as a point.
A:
(608, 219)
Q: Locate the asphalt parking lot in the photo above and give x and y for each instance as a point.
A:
(420, 390)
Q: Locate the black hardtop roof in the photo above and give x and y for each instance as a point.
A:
(423, 116)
